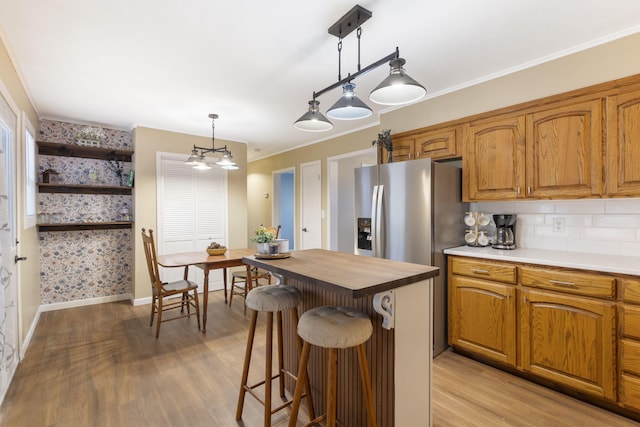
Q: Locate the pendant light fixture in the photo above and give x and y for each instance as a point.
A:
(396, 89)
(349, 106)
(197, 158)
(313, 120)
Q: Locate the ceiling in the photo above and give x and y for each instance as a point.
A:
(167, 64)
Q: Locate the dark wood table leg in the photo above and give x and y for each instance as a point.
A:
(224, 283)
(205, 300)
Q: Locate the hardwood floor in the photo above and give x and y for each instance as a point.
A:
(102, 366)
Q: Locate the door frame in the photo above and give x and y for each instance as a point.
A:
(275, 210)
(333, 188)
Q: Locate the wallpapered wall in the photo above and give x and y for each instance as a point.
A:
(78, 265)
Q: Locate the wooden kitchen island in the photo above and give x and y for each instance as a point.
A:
(399, 357)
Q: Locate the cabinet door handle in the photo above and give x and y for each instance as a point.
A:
(524, 299)
(528, 190)
(561, 283)
(518, 189)
(476, 271)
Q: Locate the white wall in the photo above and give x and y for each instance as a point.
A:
(603, 226)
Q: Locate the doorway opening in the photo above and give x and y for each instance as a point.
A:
(284, 204)
(341, 197)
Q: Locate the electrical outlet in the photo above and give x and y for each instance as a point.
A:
(558, 225)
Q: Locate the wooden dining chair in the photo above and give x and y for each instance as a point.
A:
(168, 295)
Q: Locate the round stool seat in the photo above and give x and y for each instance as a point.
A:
(334, 327)
(273, 298)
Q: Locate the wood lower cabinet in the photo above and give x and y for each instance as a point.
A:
(629, 345)
(485, 311)
(574, 329)
(569, 340)
(485, 318)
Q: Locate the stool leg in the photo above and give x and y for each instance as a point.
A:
(245, 369)
(366, 384)
(300, 383)
(332, 385)
(294, 327)
(268, 370)
(280, 353)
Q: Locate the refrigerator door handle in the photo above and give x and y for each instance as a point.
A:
(379, 241)
(374, 220)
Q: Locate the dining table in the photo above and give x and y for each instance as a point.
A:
(201, 259)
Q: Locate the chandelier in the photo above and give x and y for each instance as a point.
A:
(197, 157)
(396, 89)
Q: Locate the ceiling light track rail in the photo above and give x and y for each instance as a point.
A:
(396, 89)
(379, 62)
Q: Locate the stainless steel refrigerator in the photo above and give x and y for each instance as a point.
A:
(411, 211)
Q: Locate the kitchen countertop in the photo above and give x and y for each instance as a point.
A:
(347, 274)
(587, 261)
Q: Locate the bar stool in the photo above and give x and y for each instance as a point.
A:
(333, 328)
(271, 299)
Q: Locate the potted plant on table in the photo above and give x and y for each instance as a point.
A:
(262, 238)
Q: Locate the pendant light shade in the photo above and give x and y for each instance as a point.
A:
(398, 88)
(313, 120)
(193, 159)
(349, 106)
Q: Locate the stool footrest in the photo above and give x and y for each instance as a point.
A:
(259, 398)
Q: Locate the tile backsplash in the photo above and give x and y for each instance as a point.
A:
(604, 226)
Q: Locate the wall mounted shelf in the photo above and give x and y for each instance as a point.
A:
(77, 226)
(71, 150)
(83, 189)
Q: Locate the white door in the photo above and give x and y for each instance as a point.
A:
(9, 340)
(311, 206)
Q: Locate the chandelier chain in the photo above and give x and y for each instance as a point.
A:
(359, 33)
(339, 59)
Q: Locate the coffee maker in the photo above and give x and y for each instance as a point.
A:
(505, 237)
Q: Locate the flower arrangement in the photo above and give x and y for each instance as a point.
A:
(384, 140)
(91, 133)
(262, 235)
(90, 136)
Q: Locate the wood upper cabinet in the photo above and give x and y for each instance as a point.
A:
(482, 309)
(623, 144)
(493, 155)
(551, 153)
(564, 151)
(569, 340)
(403, 149)
(439, 143)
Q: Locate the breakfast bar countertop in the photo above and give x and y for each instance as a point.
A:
(621, 264)
(347, 274)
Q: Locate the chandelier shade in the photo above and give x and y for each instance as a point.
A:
(313, 120)
(349, 106)
(398, 88)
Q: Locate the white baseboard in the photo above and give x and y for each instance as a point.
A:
(84, 302)
(141, 301)
(27, 339)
